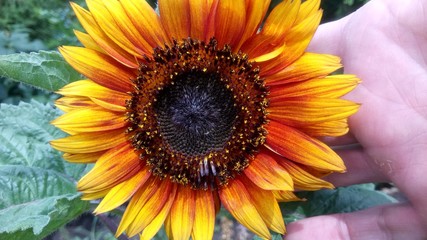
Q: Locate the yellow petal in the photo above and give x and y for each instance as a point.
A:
(204, 217)
(286, 196)
(302, 111)
(115, 166)
(302, 179)
(334, 86)
(332, 129)
(103, 41)
(308, 66)
(267, 207)
(237, 200)
(122, 192)
(83, 157)
(299, 147)
(68, 104)
(95, 195)
(88, 41)
(267, 174)
(99, 67)
(90, 142)
(182, 213)
(88, 120)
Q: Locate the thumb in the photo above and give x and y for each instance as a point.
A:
(397, 221)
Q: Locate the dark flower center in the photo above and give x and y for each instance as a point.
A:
(197, 113)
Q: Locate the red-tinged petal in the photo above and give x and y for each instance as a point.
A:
(255, 13)
(334, 86)
(89, 24)
(102, 96)
(211, 20)
(230, 22)
(151, 229)
(122, 192)
(299, 147)
(161, 200)
(125, 23)
(332, 129)
(90, 142)
(310, 65)
(303, 179)
(108, 23)
(204, 217)
(199, 14)
(237, 200)
(146, 21)
(88, 41)
(182, 213)
(267, 206)
(175, 17)
(89, 120)
(303, 111)
(83, 157)
(267, 174)
(144, 206)
(115, 166)
(99, 67)
(286, 196)
(68, 104)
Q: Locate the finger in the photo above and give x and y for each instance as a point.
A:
(360, 169)
(384, 222)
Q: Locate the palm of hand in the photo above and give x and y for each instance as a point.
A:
(385, 45)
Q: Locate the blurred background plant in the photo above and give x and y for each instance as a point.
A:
(33, 25)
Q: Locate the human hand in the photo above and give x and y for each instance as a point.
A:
(385, 44)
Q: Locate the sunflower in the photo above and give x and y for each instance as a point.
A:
(203, 104)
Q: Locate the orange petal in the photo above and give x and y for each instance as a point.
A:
(115, 166)
(308, 66)
(151, 229)
(255, 13)
(88, 41)
(146, 21)
(182, 213)
(146, 204)
(267, 174)
(99, 67)
(302, 111)
(122, 192)
(204, 217)
(88, 120)
(230, 22)
(68, 104)
(308, 8)
(299, 147)
(333, 128)
(112, 26)
(199, 14)
(83, 157)
(103, 41)
(267, 206)
(237, 200)
(286, 196)
(334, 86)
(174, 15)
(90, 142)
(102, 96)
(302, 179)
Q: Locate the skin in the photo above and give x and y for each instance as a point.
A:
(385, 44)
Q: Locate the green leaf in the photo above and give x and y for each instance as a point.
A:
(45, 70)
(38, 193)
(340, 200)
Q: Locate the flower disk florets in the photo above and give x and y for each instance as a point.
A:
(197, 113)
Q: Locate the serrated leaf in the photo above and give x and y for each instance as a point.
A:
(340, 200)
(37, 187)
(39, 218)
(43, 69)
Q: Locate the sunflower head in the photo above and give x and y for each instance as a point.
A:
(197, 107)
